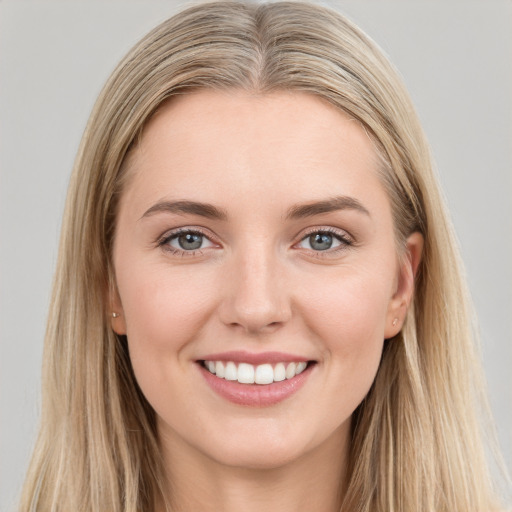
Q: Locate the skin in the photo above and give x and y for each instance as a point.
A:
(257, 284)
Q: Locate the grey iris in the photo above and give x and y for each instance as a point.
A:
(320, 241)
(190, 241)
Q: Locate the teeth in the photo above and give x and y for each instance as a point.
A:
(249, 374)
(219, 369)
(231, 372)
(290, 370)
(300, 367)
(245, 373)
(264, 374)
(279, 372)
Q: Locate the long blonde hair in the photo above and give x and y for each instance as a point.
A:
(416, 439)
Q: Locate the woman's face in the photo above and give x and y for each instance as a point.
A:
(254, 231)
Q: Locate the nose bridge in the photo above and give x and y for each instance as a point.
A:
(256, 299)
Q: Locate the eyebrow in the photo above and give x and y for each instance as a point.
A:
(301, 211)
(191, 207)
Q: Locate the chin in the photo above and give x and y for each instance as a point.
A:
(257, 457)
(258, 448)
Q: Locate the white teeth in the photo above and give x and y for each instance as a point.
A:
(279, 372)
(249, 374)
(219, 369)
(231, 372)
(264, 374)
(290, 370)
(300, 367)
(246, 373)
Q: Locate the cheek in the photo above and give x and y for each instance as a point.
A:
(348, 309)
(348, 317)
(164, 308)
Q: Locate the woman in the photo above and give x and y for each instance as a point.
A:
(258, 299)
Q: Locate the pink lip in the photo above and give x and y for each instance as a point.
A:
(240, 356)
(255, 395)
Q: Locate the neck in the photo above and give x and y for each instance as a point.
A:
(315, 481)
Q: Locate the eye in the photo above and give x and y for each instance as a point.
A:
(324, 240)
(186, 241)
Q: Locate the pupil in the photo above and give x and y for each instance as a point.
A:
(320, 241)
(190, 241)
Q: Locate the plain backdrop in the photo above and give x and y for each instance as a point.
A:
(455, 57)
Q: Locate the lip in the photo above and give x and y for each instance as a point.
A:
(256, 395)
(240, 356)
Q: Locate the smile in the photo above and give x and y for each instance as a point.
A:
(262, 374)
(256, 380)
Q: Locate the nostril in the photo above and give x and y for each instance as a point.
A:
(255, 303)
(254, 327)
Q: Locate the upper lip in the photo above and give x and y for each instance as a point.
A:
(240, 356)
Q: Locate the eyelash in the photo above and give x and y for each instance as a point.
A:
(345, 241)
(164, 241)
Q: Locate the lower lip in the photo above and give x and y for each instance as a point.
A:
(256, 395)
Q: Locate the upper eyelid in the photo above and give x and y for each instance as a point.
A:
(342, 233)
(169, 234)
(164, 241)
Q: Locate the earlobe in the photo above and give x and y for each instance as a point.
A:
(117, 323)
(116, 314)
(404, 292)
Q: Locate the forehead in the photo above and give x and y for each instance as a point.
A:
(219, 145)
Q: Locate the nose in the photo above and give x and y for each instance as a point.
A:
(255, 298)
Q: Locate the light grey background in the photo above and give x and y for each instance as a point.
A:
(455, 57)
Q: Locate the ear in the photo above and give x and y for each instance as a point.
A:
(116, 313)
(404, 293)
